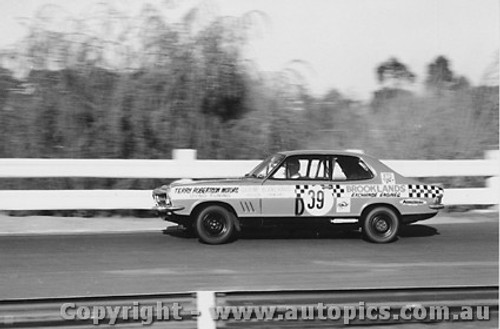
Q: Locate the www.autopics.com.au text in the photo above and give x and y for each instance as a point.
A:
(147, 314)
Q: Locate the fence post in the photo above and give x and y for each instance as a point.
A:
(493, 183)
(205, 303)
(184, 157)
(184, 154)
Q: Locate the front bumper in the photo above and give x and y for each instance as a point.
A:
(167, 210)
(167, 213)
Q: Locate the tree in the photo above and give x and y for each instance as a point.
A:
(395, 73)
(439, 74)
(440, 77)
(394, 76)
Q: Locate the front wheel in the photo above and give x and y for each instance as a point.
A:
(215, 225)
(381, 225)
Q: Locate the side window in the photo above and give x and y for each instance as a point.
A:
(350, 168)
(338, 173)
(307, 168)
(319, 168)
(301, 171)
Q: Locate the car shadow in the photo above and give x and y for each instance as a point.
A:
(406, 231)
(177, 232)
(417, 231)
(265, 232)
(297, 233)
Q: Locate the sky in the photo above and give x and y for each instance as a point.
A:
(343, 41)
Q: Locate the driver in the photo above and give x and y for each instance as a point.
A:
(293, 167)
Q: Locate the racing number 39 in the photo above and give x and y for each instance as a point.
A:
(317, 199)
(314, 201)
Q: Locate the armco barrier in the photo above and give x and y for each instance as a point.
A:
(197, 309)
(185, 165)
(50, 312)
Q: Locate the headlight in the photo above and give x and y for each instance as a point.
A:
(160, 195)
(162, 199)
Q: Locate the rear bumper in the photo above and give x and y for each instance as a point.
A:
(436, 206)
(408, 219)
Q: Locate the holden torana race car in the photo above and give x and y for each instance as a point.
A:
(333, 187)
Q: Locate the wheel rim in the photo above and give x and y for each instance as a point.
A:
(381, 225)
(214, 224)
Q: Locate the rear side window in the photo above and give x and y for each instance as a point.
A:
(350, 168)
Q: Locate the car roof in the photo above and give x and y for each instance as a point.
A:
(322, 152)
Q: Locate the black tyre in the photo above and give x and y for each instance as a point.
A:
(215, 225)
(381, 225)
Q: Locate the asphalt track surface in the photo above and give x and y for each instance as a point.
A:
(100, 264)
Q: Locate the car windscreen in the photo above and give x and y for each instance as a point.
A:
(266, 166)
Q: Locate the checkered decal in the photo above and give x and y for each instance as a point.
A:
(338, 191)
(300, 190)
(424, 191)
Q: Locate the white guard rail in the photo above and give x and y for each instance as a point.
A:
(185, 165)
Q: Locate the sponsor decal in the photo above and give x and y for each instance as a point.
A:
(232, 192)
(343, 205)
(373, 191)
(413, 202)
(201, 192)
(388, 178)
(205, 190)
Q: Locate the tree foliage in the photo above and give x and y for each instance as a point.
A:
(395, 73)
(394, 77)
(440, 77)
(137, 87)
(117, 86)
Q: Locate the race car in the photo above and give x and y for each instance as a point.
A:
(332, 187)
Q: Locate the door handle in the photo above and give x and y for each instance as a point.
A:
(327, 186)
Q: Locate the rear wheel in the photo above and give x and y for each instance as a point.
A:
(381, 225)
(215, 225)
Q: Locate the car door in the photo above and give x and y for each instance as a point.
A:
(310, 194)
